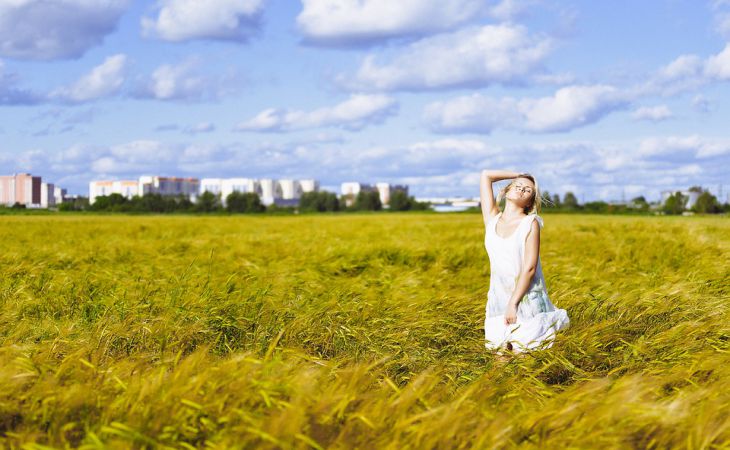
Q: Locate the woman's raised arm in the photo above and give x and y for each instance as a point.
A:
(489, 205)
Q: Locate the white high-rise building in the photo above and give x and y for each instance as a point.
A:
(386, 190)
(243, 185)
(226, 186)
(169, 186)
(126, 188)
(59, 195)
(309, 185)
(212, 185)
(270, 191)
(691, 197)
(47, 195)
(290, 189)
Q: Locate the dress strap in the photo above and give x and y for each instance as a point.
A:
(526, 223)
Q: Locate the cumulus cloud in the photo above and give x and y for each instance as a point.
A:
(103, 80)
(357, 22)
(55, 29)
(471, 57)
(653, 113)
(684, 147)
(689, 72)
(184, 81)
(570, 107)
(225, 20)
(432, 167)
(354, 113)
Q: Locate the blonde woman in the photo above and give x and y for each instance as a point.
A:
(519, 313)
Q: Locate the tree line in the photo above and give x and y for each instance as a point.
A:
(676, 203)
(243, 202)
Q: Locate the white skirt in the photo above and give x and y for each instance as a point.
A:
(537, 332)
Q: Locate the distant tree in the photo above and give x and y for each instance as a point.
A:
(319, 201)
(347, 201)
(556, 201)
(640, 203)
(75, 204)
(570, 201)
(18, 205)
(596, 207)
(368, 201)
(111, 202)
(207, 202)
(706, 204)
(400, 201)
(244, 202)
(696, 189)
(675, 203)
(546, 199)
(425, 206)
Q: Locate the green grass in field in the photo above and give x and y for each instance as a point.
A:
(356, 331)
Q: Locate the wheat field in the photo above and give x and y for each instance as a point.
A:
(356, 331)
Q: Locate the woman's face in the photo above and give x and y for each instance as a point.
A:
(522, 191)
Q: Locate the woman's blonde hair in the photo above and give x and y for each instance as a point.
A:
(536, 203)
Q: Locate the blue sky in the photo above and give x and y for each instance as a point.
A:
(605, 99)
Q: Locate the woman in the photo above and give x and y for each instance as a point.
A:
(519, 313)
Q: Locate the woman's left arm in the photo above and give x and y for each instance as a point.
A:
(529, 266)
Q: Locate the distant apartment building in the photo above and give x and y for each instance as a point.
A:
(59, 195)
(386, 189)
(309, 185)
(226, 186)
(48, 198)
(22, 188)
(270, 191)
(350, 189)
(169, 186)
(691, 197)
(282, 192)
(126, 188)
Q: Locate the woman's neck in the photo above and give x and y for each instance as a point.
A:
(512, 210)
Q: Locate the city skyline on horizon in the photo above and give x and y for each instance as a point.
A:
(605, 101)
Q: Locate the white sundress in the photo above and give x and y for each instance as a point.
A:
(537, 318)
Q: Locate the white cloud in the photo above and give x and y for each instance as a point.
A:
(683, 147)
(473, 56)
(570, 107)
(653, 113)
(200, 127)
(507, 10)
(718, 66)
(103, 80)
(228, 20)
(354, 113)
(436, 167)
(184, 81)
(55, 29)
(689, 72)
(357, 22)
